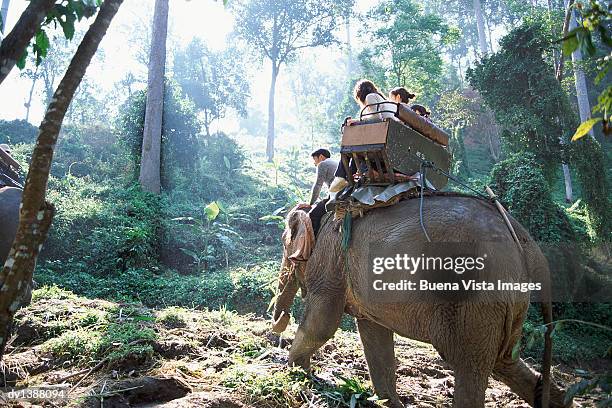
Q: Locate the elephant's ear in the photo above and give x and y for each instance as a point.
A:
(299, 236)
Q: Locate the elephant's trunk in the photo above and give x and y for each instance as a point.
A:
(298, 242)
(287, 289)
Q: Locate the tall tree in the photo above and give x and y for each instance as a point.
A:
(33, 75)
(594, 22)
(35, 213)
(278, 29)
(480, 24)
(457, 111)
(214, 80)
(527, 100)
(558, 61)
(582, 93)
(407, 47)
(150, 165)
(531, 105)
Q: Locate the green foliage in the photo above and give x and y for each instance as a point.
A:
(528, 101)
(286, 388)
(519, 182)
(117, 343)
(180, 131)
(172, 317)
(406, 45)
(534, 111)
(17, 131)
(352, 392)
(455, 111)
(244, 289)
(222, 154)
(277, 29)
(281, 387)
(572, 342)
(52, 292)
(215, 232)
(89, 151)
(588, 157)
(127, 340)
(595, 19)
(189, 159)
(111, 236)
(213, 80)
(66, 13)
(79, 345)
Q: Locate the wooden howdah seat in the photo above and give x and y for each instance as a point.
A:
(385, 147)
(8, 170)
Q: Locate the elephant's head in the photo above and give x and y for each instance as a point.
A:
(298, 242)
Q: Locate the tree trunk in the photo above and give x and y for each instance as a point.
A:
(582, 93)
(35, 213)
(566, 26)
(489, 34)
(206, 122)
(482, 36)
(567, 177)
(270, 143)
(150, 165)
(492, 150)
(551, 15)
(12, 47)
(460, 165)
(349, 47)
(4, 13)
(28, 104)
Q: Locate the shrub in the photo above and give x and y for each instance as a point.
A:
(17, 131)
(520, 184)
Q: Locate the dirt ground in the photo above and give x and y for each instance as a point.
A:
(213, 359)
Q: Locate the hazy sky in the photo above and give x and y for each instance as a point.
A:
(203, 18)
(206, 19)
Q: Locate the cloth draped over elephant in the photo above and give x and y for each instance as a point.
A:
(298, 244)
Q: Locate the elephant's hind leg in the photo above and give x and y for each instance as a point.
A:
(379, 352)
(470, 387)
(322, 317)
(524, 382)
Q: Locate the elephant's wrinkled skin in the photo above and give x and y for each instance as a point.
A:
(476, 339)
(10, 200)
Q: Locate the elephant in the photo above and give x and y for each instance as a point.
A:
(476, 339)
(10, 200)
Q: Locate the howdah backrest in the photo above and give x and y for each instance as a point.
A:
(381, 148)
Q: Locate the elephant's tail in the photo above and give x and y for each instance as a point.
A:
(537, 265)
(542, 397)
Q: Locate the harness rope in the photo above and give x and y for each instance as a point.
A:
(422, 173)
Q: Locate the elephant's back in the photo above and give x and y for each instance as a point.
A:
(462, 220)
(10, 200)
(445, 218)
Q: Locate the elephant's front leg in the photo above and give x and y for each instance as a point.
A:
(380, 354)
(322, 317)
